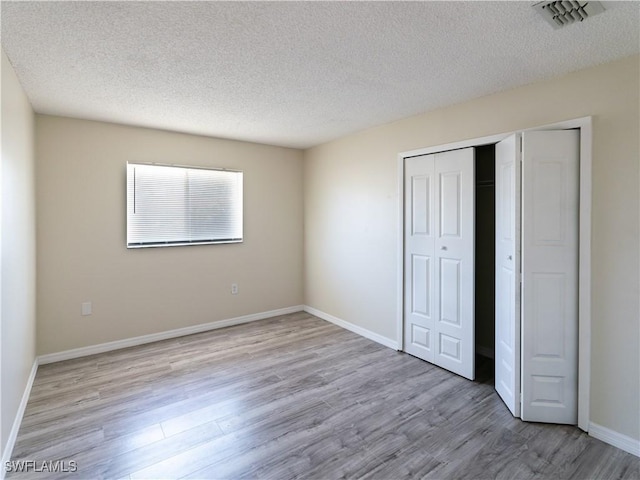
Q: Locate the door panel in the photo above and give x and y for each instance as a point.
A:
(421, 337)
(550, 276)
(420, 204)
(450, 198)
(450, 291)
(439, 260)
(549, 209)
(419, 245)
(454, 251)
(420, 276)
(548, 341)
(507, 342)
(450, 347)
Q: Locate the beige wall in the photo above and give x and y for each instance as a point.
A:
(82, 254)
(351, 215)
(17, 245)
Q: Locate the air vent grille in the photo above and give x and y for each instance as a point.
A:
(562, 13)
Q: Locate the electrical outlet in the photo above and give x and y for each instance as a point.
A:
(86, 308)
(234, 289)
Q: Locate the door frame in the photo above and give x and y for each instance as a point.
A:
(585, 125)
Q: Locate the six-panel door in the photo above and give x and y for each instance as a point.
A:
(439, 260)
(507, 287)
(419, 258)
(550, 194)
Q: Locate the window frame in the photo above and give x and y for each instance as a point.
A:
(239, 191)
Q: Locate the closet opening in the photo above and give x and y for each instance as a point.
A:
(485, 248)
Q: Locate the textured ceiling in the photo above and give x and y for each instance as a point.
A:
(290, 73)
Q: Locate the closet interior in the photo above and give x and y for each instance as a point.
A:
(485, 174)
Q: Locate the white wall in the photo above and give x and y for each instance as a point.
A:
(17, 245)
(351, 215)
(82, 254)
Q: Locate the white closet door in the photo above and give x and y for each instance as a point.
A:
(419, 302)
(550, 191)
(454, 328)
(507, 313)
(439, 260)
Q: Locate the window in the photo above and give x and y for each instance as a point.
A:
(169, 206)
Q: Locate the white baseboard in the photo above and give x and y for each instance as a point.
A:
(623, 442)
(387, 342)
(17, 421)
(155, 337)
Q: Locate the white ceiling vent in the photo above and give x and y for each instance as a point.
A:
(561, 13)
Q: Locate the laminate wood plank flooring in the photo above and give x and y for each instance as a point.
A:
(286, 398)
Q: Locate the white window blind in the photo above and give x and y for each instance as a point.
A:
(169, 206)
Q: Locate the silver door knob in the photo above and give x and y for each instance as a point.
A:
(510, 257)
(443, 248)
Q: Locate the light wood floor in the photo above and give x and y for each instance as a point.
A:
(289, 397)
